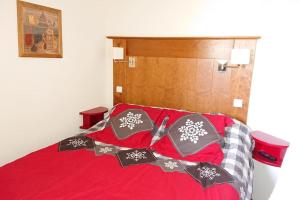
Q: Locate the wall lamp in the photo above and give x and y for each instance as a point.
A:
(118, 54)
(239, 57)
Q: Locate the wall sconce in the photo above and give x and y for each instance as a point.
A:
(222, 64)
(118, 54)
(238, 57)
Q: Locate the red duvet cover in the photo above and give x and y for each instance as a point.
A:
(49, 174)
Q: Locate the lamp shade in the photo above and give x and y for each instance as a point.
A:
(118, 53)
(240, 56)
(222, 61)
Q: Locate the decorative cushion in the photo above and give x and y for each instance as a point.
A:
(191, 133)
(129, 122)
(212, 152)
(129, 126)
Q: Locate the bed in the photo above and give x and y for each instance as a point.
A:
(96, 171)
(165, 138)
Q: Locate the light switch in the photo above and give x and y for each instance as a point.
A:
(119, 89)
(238, 103)
(131, 61)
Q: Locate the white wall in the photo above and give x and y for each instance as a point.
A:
(274, 104)
(40, 98)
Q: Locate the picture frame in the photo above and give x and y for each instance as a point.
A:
(39, 31)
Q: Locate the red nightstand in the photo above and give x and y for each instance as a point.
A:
(269, 149)
(93, 116)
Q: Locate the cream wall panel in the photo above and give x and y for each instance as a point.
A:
(40, 98)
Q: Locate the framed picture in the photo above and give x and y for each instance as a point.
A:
(39, 31)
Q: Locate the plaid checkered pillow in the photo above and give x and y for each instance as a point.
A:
(238, 157)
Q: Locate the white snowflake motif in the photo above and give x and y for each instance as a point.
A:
(206, 172)
(136, 155)
(105, 149)
(171, 165)
(77, 142)
(192, 131)
(131, 120)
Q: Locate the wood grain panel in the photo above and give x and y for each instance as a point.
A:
(242, 78)
(119, 74)
(182, 74)
(179, 48)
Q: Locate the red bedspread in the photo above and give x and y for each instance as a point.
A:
(49, 174)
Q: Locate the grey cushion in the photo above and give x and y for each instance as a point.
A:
(191, 133)
(129, 122)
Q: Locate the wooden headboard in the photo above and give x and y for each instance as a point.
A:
(182, 73)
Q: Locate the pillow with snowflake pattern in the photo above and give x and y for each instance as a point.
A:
(191, 137)
(130, 122)
(129, 126)
(191, 133)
